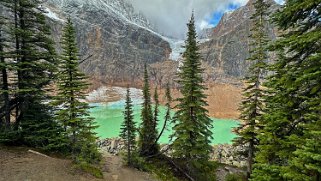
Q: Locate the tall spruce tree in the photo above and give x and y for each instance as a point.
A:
(73, 113)
(128, 128)
(148, 133)
(4, 34)
(35, 54)
(253, 95)
(289, 143)
(306, 165)
(192, 131)
(303, 42)
(31, 59)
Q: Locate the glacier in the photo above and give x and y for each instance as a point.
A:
(121, 9)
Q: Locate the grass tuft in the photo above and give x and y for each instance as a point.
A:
(91, 169)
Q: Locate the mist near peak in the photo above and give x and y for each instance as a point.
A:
(169, 17)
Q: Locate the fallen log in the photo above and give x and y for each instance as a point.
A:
(37, 153)
(180, 169)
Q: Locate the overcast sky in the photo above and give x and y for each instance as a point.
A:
(170, 16)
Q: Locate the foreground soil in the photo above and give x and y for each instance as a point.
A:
(17, 164)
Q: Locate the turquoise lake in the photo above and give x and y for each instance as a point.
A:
(109, 117)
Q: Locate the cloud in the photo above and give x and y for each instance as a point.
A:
(205, 24)
(170, 16)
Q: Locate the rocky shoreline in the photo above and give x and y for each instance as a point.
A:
(222, 153)
(107, 94)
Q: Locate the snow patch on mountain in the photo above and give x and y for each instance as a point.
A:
(204, 40)
(119, 9)
(177, 47)
(51, 14)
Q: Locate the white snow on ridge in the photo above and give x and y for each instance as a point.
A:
(116, 8)
(204, 40)
(119, 8)
(176, 45)
(126, 14)
(51, 14)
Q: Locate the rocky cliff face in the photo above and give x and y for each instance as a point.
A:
(222, 153)
(117, 40)
(228, 47)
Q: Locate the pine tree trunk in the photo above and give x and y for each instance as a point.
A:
(191, 134)
(72, 113)
(128, 143)
(20, 105)
(73, 150)
(250, 159)
(162, 131)
(17, 42)
(5, 88)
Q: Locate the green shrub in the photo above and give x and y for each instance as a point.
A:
(91, 169)
(201, 170)
(165, 170)
(157, 166)
(162, 170)
(139, 162)
(10, 137)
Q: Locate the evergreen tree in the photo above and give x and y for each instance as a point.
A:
(128, 128)
(304, 42)
(8, 66)
(73, 113)
(4, 66)
(156, 110)
(192, 131)
(168, 103)
(306, 165)
(41, 130)
(253, 101)
(148, 133)
(289, 143)
(168, 110)
(31, 58)
(35, 53)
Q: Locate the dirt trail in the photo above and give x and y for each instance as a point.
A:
(18, 164)
(116, 171)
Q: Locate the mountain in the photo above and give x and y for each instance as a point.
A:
(205, 33)
(228, 45)
(114, 40)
